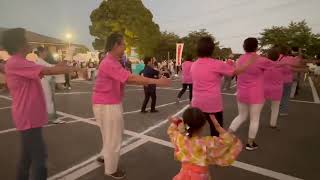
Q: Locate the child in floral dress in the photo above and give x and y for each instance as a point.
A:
(197, 152)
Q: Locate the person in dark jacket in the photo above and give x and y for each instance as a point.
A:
(149, 90)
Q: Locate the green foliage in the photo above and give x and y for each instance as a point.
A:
(167, 44)
(81, 50)
(131, 19)
(296, 34)
(223, 53)
(135, 22)
(191, 40)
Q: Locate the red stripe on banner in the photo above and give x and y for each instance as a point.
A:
(179, 54)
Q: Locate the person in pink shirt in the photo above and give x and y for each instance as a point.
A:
(206, 77)
(275, 78)
(250, 90)
(28, 103)
(107, 99)
(287, 78)
(186, 78)
(273, 85)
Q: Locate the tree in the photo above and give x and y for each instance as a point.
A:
(167, 44)
(81, 49)
(191, 40)
(131, 19)
(314, 48)
(223, 53)
(296, 34)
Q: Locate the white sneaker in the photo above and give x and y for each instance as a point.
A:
(58, 121)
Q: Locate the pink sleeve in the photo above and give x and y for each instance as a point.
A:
(265, 63)
(115, 71)
(224, 69)
(295, 60)
(28, 70)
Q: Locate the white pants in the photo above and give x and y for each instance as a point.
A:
(48, 94)
(275, 105)
(110, 121)
(244, 110)
(91, 72)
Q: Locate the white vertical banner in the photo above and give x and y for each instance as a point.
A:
(179, 51)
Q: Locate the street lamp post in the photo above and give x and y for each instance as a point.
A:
(69, 36)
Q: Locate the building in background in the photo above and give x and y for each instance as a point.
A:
(59, 48)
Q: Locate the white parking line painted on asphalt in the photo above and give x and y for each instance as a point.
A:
(48, 125)
(307, 102)
(83, 81)
(263, 171)
(241, 165)
(156, 125)
(238, 164)
(7, 107)
(72, 93)
(139, 110)
(8, 130)
(93, 165)
(5, 97)
(89, 165)
(314, 91)
(84, 119)
(74, 168)
(160, 106)
(89, 92)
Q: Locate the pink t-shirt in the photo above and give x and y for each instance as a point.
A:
(250, 85)
(186, 75)
(206, 77)
(288, 73)
(28, 103)
(110, 82)
(273, 83)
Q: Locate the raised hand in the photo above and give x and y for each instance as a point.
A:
(172, 119)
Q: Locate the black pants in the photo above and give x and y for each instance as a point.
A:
(67, 78)
(219, 117)
(33, 152)
(183, 90)
(178, 69)
(149, 92)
